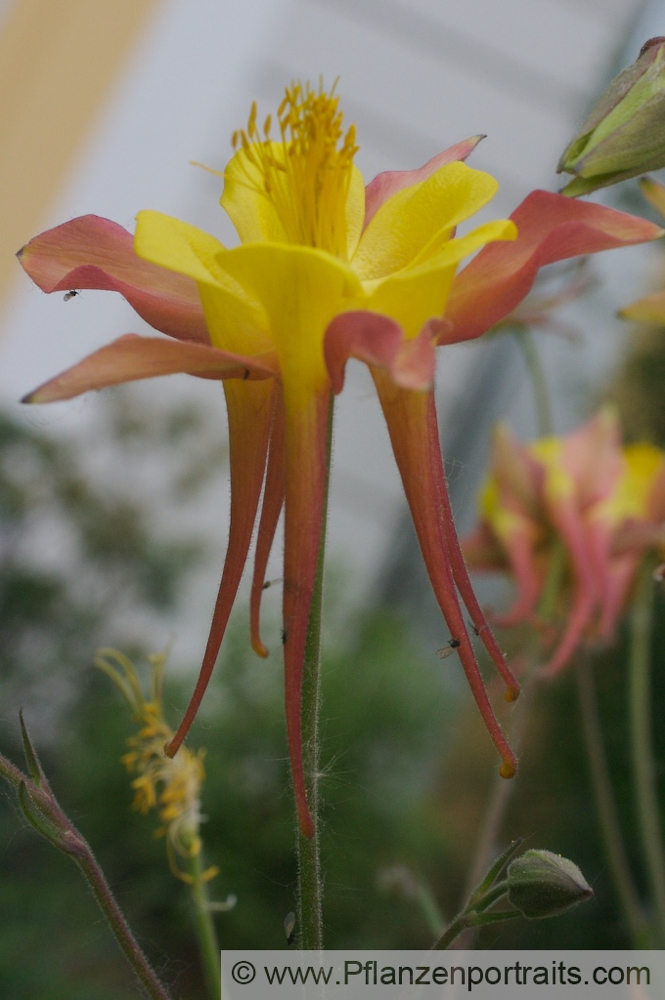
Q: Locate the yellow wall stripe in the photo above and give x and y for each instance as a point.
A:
(58, 59)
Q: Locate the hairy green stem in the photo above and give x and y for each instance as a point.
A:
(310, 884)
(310, 888)
(41, 809)
(610, 828)
(11, 773)
(94, 876)
(641, 622)
(205, 927)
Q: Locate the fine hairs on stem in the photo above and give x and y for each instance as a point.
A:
(310, 884)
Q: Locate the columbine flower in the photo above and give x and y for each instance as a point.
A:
(171, 785)
(570, 519)
(327, 269)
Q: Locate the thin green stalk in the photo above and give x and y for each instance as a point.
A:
(530, 354)
(475, 916)
(205, 928)
(101, 891)
(605, 805)
(310, 885)
(42, 810)
(430, 909)
(459, 924)
(641, 622)
(490, 826)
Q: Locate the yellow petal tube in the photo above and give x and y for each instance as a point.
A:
(301, 291)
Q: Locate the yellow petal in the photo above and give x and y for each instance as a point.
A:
(252, 213)
(176, 246)
(235, 322)
(355, 210)
(234, 325)
(301, 290)
(416, 221)
(416, 294)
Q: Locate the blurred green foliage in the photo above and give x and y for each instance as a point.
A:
(74, 558)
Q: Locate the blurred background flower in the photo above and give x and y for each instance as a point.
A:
(570, 519)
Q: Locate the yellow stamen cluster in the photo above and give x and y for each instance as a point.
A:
(306, 177)
(172, 786)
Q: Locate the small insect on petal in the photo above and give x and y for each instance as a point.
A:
(445, 651)
(70, 295)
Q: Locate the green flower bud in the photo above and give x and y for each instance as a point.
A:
(543, 884)
(624, 135)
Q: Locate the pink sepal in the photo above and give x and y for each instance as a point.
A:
(132, 357)
(380, 342)
(565, 517)
(579, 619)
(528, 574)
(91, 252)
(519, 476)
(550, 227)
(592, 457)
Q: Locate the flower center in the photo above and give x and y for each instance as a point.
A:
(306, 177)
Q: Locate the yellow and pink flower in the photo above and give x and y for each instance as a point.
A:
(327, 269)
